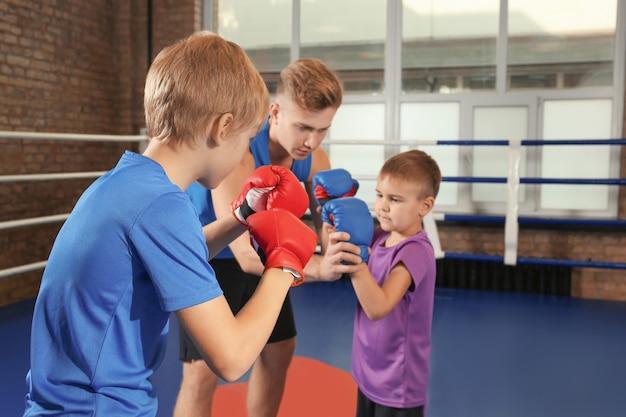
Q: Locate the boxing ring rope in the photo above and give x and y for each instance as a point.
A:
(511, 220)
(482, 218)
(35, 221)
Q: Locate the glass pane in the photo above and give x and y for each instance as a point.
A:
(353, 47)
(561, 43)
(359, 122)
(449, 45)
(576, 119)
(435, 121)
(497, 123)
(246, 23)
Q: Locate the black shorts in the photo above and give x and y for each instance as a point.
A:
(238, 287)
(368, 408)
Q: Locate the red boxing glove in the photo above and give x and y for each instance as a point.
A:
(282, 240)
(269, 187)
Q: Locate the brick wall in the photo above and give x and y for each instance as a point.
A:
(59, 67)
(602, 245)
(180, 17)
(70, 67)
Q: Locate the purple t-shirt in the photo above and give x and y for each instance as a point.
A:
(390, 356)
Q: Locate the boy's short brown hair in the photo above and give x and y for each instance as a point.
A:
(417, 167)
(310, 84)
(196, 80)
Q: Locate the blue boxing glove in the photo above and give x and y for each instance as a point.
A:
(333, 183)
(351, 215)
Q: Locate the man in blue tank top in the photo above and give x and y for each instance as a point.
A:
(307, 98)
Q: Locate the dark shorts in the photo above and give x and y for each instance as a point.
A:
(238, 287)
(368, 408)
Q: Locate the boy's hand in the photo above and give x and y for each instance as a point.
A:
(270, 187)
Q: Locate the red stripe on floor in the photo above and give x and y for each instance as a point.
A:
(314, 389)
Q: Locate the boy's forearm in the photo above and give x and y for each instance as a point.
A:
(246, 257)
(230, 344)
(369, 294)
(220, 233)
(258, 316)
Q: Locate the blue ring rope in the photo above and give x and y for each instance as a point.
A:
(502, 180)
(538, 261)
(533, 142)
(534, 220)
(531, 220)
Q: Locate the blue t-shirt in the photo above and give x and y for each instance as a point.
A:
(259, 147)
(131, 252)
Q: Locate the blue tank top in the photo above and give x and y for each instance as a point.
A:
(259, 147)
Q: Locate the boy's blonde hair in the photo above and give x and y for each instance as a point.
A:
(310, 84)
(198, 79)
(417, 167)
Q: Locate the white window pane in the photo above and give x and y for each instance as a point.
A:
(437, 54)
(246, 23)
(497, 123)
(435, 121)
(561, 17)
(353, 46)
(359, 122)
(561, 43)
(576, 119)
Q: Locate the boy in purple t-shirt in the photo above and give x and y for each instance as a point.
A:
(395, 290)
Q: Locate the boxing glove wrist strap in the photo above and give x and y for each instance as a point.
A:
(245, 211)
(296, 275)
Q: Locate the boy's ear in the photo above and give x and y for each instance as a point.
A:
(427, 205)
(222, 128)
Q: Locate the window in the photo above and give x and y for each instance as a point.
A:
(263, 29)
(561, 43)
(449, 45)
(427, 70)
(435, 121)
(353, 47)
(576, 119)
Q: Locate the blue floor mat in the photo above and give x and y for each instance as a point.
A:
(494, 354)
